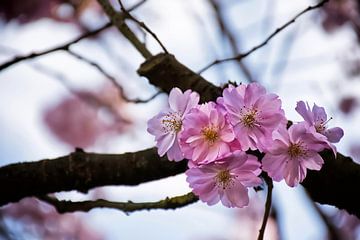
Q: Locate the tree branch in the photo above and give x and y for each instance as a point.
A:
(165, 72)
(83, 171)
(142, 24)
(240, 56)
(336, 184)
(63, 206)
(269, 184)
(65, 46)
(234, 44)
(112, 79)
(119, 21)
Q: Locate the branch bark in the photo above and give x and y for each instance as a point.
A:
(336, 184)
(165, 72)
(63, 206)
(82, 171)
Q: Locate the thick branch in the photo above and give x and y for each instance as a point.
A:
(165, 72)
(127, 207)
(82, 171)
(336, 184)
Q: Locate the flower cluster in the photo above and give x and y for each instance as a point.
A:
(215, 137)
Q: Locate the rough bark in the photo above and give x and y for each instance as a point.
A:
(165, 72)
(82, 171)
(336, 184)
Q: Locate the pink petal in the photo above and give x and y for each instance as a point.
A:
(214, 117)
(213, 153)
(297, 132)
(176, 100)
(319, 114)
(292, 173)
(252, 93)
(227, 135)
(282, 135)
(334, 134)
(235, 196)
(164, 143)
(175, 153)
(192, 100)
(314, 161)
(274, 166)
(305, 112)
(200, 152)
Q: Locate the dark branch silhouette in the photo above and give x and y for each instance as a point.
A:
(270, 186)
(63, 206)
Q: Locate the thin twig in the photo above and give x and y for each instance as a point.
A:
(119, 21)
(112, 79)
(142, 24)
(269, 183)
(278, 30)
(234, 43)
(65, 47)
(63, 206)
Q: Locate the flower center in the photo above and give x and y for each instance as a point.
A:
(224, 179)
(296, 150)
(321, 126)
(210, 133)
(249, 118)
(172, 122)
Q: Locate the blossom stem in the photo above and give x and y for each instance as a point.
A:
(269, 183)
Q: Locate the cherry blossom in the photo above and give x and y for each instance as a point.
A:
(293, 152)
(206, 135)
(167, 124)
(253, 113)
(317, 117)
(226, 180)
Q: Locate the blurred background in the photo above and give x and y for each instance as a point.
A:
(59, 101)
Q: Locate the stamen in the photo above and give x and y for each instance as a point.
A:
(249, 118)
(172, 122)
(210, 133)
(224, 179)
(321, 127)
(296, 150)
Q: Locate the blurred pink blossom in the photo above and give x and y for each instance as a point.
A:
(83, 119)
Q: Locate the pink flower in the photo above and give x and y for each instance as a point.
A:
(317, 117)
(293, 152)
(225, 180)
(166, 125)
(253, 113)
(206, 135)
